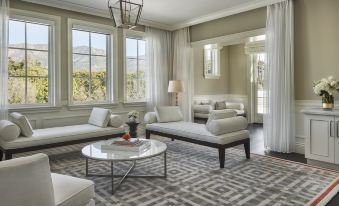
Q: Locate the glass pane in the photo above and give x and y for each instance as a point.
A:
(80, 90)
(80, 42)
(37, 36)
(131, 47)
(16, 34)
(99, 67)
(37, 63)
(131, 65)
(98, 44)
(37, 90)
(142, 49)
(131, 86)
(16, 90)
(98, 92)
(80, 65)
(16, 62)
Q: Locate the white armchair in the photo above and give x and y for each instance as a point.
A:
(27, 181)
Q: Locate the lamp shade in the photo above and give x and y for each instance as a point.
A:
(175, 86)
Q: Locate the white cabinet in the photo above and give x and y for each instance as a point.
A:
(322, 135)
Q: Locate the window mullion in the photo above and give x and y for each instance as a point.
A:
(26, 64)
(90, 66)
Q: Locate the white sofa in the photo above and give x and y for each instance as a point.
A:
(223, 133)
(202, 109)
(58, 136)
(27, 181)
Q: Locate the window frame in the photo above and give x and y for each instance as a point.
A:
(133, 35)
(54, 91)
(111, 77)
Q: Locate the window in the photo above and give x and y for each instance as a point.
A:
(91, 65)
(135, 69)
(30, 62)
(259, 71)
(211, 61)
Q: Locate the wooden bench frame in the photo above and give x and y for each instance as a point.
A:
(221, 147)
(9, 152)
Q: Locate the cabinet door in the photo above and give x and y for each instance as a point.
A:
(320, 137)
(336, 147)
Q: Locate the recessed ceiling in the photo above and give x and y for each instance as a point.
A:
(169, 14)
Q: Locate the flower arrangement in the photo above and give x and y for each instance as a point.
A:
(326, 88)
(133, 115)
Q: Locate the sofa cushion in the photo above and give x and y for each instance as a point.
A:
(26, 181)
(72, 191)
(61, 134)
(23, 123)
(228, 125)
(99, 117)
(9, 130)
(115, 120)
(168, 113)
(220, 105)
(197, 131)
(150, 118)
(222, 114)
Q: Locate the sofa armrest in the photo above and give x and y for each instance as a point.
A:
(204, 109)
(150, 118)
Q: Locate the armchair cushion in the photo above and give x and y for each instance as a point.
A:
(99, 117)
(168, 114)
(23, 123)
(228, 125)
(8, 130)
(26, 181)
(150, 118)
(72, 191)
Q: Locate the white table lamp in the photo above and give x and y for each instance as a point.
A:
(175, 86)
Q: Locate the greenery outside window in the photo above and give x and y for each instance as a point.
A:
(135, 69)
(91, 76)
(31, 62)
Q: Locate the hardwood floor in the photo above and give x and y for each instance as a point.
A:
(257, 147)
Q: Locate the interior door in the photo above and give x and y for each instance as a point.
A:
(259, 93)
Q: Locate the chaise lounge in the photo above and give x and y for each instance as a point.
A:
(223, 129)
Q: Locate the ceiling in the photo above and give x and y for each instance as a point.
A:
(166, 14)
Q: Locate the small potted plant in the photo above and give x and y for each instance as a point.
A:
(132, 123)
(326, 88)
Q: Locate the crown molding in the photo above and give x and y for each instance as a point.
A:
(254, 4)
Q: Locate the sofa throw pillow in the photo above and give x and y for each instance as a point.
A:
(115, 121)
(23, 123)
(150, 118)
(8, 130)
(168, 114)
(220, 105)
(99, 117)
(228, 125)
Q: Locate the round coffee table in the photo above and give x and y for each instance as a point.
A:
(94, 152)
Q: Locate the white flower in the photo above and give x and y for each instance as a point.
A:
(328, 86)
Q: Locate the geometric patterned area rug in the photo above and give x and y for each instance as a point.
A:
(194, 178)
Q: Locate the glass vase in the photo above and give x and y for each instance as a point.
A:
(328, 102)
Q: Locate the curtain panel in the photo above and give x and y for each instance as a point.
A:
(4, 19)
(279, 123)
(159, 64)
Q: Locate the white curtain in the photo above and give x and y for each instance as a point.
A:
(4, 18)
(279, 131)
(159, 63)
(183, 69)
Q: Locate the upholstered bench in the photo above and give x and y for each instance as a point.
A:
(39, 139)
(223, 130)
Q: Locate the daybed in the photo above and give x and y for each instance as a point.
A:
(28, 181)
(222, 131)
(61, 136)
